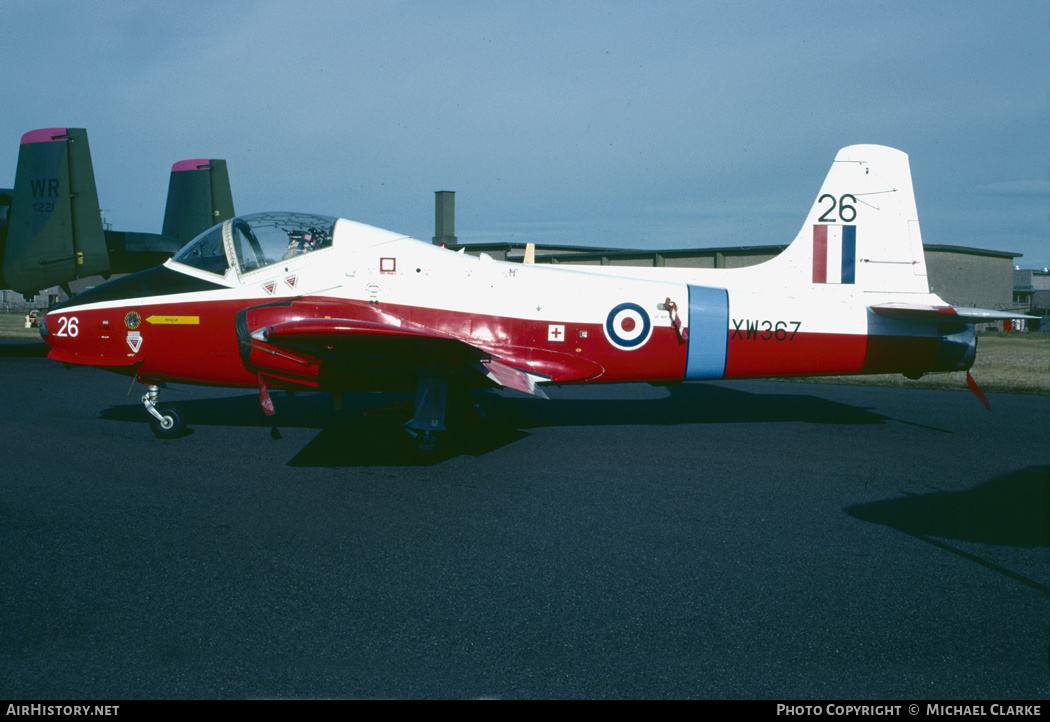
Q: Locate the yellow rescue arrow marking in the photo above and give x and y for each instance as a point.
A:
(174, 320)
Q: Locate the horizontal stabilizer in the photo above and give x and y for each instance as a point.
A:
(946, 313)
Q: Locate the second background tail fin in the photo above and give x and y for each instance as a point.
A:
(199, 197)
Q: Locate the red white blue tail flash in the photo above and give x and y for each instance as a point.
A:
(834, 254)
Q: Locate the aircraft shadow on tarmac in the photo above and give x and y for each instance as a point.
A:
(368, 431)
(1010, 510)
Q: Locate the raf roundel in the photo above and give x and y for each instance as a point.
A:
(628, 326)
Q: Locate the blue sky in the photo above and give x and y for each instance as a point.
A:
(627, 124)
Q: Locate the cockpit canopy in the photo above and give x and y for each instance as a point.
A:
(249, 243)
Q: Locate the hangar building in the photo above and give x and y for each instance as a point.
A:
(962, 276)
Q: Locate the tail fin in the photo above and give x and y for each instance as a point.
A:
(863, 229)
(199, 197)
(55, 228)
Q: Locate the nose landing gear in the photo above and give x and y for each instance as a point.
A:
(166, 422)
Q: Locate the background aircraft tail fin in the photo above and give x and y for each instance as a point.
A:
(54, 229)
(863, 228)
(199, 197)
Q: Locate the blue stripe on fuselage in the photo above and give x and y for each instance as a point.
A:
(708, 333)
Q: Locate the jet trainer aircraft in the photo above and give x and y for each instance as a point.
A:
(299, 301)
(51, 229)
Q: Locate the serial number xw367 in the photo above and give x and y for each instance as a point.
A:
(745, 328)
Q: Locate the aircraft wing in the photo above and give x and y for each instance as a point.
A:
(946, 313)
(328, 332)
(296, 349)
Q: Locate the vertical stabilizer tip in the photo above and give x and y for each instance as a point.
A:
(44, 135)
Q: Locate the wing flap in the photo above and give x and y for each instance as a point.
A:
(512, 378)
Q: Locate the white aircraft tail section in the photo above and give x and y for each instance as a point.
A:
(863, 229)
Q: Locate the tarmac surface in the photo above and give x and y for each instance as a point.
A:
(714, 540)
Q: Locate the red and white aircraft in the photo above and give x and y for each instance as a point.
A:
(300, 301)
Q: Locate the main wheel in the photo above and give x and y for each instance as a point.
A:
(171, 426)
(427, 441)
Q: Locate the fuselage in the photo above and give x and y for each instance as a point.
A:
(192, 320)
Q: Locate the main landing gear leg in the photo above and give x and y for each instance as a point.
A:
(431, 400)
(166, 422)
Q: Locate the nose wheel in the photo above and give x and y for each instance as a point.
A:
(170, 425)
(166, 422)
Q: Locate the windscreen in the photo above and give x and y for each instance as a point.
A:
(205, 252)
